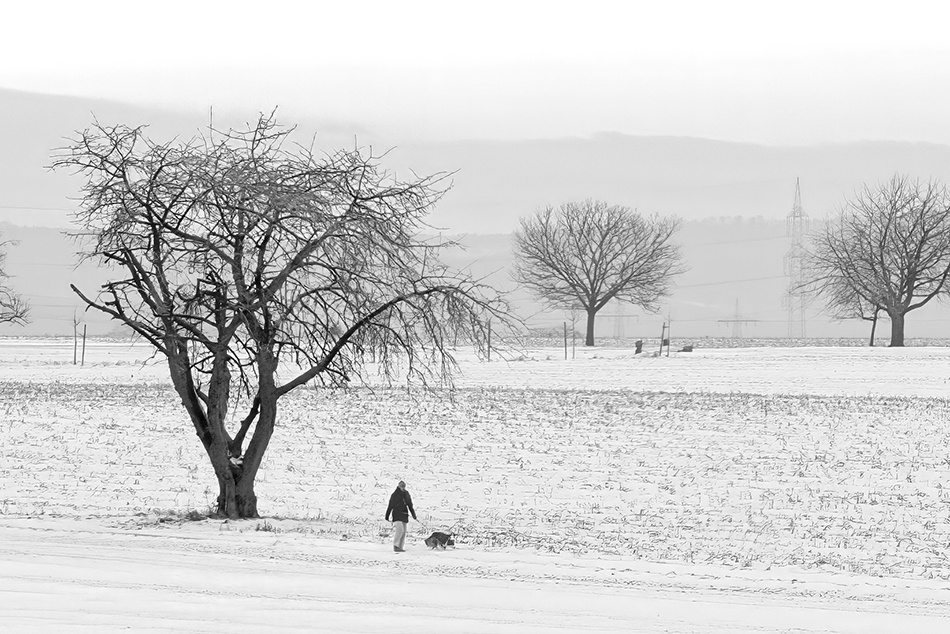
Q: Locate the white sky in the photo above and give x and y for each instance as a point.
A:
(772, 72)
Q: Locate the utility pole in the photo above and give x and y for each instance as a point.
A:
(75, 336)
(669, 333)
(796, 225)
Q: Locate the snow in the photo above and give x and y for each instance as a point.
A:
(832, 371)
(80, 576)
(739, 490)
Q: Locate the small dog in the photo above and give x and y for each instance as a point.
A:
(439, 540)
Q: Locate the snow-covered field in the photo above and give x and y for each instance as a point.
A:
(739, 490)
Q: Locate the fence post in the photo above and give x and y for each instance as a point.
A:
(83, 344)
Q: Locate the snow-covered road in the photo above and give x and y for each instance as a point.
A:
(66, 576)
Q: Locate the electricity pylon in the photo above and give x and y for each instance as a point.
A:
(796, 225)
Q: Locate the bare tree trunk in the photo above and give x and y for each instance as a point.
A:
(590, 327)
(208, 425)
(219, 452)
(244, 496)
(873, 327)
(236, 497)
(897, 330)
(226, 505)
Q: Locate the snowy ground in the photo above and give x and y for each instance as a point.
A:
(741, 490)
(85, 576)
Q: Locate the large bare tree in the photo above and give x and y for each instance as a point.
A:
(254, 267)
(888, 249)
(585, 254)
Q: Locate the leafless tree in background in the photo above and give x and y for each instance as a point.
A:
(238, 255)
(848, 304)
(887, 250)
(588, 253)
(13, 309)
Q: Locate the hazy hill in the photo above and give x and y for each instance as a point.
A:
(33, 126)
(495, 181)
(733, 196)
(736, 268)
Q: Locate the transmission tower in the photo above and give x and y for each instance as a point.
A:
(796, 225)
(737, 322)
(620, 319)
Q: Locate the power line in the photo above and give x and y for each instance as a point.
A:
(708, 244)
(31, 295)
(748, 279)
(29, 208)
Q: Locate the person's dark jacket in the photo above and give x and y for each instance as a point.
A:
(400, 506)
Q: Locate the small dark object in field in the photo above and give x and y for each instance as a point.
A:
(439, 540)
(687, 349)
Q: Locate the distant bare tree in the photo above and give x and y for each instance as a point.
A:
(588, 253)
(887, 250)
(238, 253)
(13, 308)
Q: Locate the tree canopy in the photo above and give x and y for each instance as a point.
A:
(585, 254)
(887, 249)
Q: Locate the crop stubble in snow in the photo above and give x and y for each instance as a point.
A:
(850, 483)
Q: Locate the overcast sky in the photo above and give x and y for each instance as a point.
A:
(769, 72)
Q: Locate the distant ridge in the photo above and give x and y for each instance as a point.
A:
(747, 188)
(691, 178)
(495, 182)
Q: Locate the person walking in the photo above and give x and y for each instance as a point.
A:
(400, 506)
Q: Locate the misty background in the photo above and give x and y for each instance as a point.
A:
(704, 111)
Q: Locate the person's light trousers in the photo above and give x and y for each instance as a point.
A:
(399, 534)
